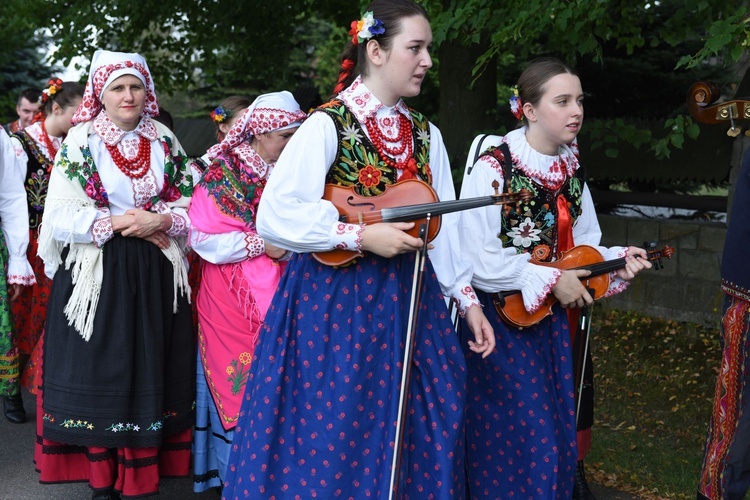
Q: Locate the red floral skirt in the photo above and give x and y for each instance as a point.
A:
(29, 312)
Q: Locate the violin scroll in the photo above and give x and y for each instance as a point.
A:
(655, 255)
(701, 102)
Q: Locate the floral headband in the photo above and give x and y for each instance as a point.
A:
(516, 105)
(366, 28)
(54, 85)
(220, 115)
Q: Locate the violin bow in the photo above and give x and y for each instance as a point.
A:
(416, 297)
(584, 327)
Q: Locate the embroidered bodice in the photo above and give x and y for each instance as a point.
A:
(38, 164)
(533, 224)
(358, 162)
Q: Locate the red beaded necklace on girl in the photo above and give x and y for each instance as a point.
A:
(138, 166)
(51, 149)
(403, 137)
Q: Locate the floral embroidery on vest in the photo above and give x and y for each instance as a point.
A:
(37, 178)
(358, 163)
(177, 182)
(532, 224)
(234, 189)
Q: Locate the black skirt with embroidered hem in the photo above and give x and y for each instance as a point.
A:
(133, 382)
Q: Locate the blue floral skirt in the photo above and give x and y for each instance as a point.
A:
(521, 428)
(319, 415)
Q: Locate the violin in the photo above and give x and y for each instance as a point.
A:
(701, 102)
(509, 304)
(354, 208)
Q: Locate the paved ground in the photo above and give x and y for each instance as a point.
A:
(19, 480)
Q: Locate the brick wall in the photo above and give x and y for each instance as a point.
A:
(687, 288)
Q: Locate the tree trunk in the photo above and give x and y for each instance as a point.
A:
(465, 109)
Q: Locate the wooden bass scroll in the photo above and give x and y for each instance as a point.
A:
(701, 102)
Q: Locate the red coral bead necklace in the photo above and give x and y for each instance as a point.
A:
(138, 166)
(403, 137)
(47, 140)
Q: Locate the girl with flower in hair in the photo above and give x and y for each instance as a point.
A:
(36, 147)
(223, 117)
(320, 410)
(240, 271)
(118, 374)
(521, 413)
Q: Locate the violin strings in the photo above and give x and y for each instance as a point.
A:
(439, 208)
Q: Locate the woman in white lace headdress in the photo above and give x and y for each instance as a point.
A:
(118, 372)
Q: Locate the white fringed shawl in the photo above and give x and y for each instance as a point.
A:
(66, 196)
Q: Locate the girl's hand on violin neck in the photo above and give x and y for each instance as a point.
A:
(635, 262)
(484, 334)
(569, 290)
(388, 239)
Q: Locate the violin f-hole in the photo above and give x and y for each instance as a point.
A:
(370, 205)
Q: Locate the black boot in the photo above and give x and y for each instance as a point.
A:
(109, 494)
(13, 407)
(581, 489)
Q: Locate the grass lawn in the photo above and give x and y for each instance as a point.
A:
(654, 382)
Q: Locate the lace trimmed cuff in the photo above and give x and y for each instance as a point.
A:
(466, 298)
(101, 231)
(255, 245)
(616, 285)
(537, 284)
(20, 271)
(179, 225)
(347, 236)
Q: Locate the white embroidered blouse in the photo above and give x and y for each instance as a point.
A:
(14, 214)
(233, 246)
(293, 215)
(95, 225)
(499, 269)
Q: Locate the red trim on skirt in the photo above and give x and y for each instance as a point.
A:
(132, 472)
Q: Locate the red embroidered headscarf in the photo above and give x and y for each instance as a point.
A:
(269, 112)
(106, 66)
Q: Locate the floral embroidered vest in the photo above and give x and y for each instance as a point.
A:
(234, 189)
(358, 162)
(37, 178)
(531, 226)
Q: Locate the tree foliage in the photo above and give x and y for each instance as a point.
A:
(207, 46)
(210, 48)
(22, 63)
(620, 36)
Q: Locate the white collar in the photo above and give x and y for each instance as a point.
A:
(550, 170)
(112, 134)
(363, 103)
